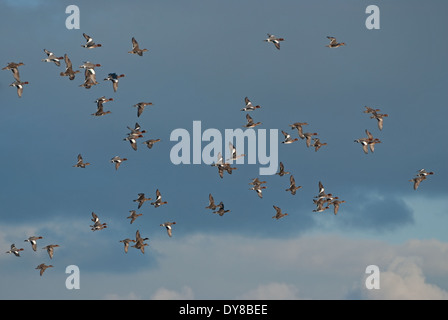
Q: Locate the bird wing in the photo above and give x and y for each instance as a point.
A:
(292, 180)
(332, 40)
(67, 61)
(134, 43)
(15, 73)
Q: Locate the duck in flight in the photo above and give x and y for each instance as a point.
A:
(19, 86)
(33, 241)
(278, 214)
(14, 250)
(249, 106)
(52, 58)
(282, 171)
(69, 72)
(14, 67)
(168, 227)
(275, 40)
(158, 201)
(292, 186)
(334, 43)
(113, 77)
(90, 44)
(136, 49)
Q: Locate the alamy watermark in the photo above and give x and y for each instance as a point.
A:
(73, 20)
(189, 149)
(373, 280)
(73, 280)
(373, 20)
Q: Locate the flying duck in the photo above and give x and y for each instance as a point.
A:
(226, 167)
(89, 42)
(50, 249)
(102, 100)
(141, 199)
(423, 172)
(292, 187)
(133, 140)
(89, 79)
(42, 267)
(222, 166)
(334, 43)
(113, 77)
(136, 49)
(150, 143)
(233, 153)
(417, 180)
(168, 227)
(19, 86)
(273, 39)
(33, 241)
(141, 106)
(336, 204)
(298, 126)
(15, 250)
(249, 106)
(257, 182)
(134, 215)
(282, 171)
(14, 67)
(279, 213)
(100, 111)
(89, 74)
(250, 122)
(221, 210)
(259, 190)
(308, 136)
(97, 225)
(367, 142)
(379, 117)
(211, 203)
(126, 244)
(117, 160)
(288, 138)
(80, 163)
(320, 207)
(140, 242)
(158, 201)
(52, 58)
(370, 110)
(317, 144)
(68, 69)
(136, 131)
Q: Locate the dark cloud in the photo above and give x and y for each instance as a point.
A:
(382, 213)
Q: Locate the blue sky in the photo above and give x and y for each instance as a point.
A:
(204, 57)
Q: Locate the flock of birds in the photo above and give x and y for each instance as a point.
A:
(322, 200)
(135, 133)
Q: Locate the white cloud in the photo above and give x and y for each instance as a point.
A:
(404, 280)
(229, 266)
(272, 291)
(323, 266)
(129, 296)
(185, 293)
